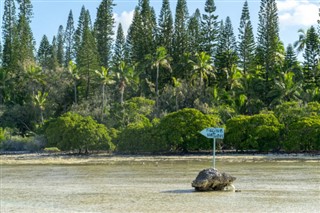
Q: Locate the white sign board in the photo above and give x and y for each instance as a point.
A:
(213, 132)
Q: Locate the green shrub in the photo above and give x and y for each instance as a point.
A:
(180, 131)
(18, 143)
(2, 135)
(259, 132)
(137, 138)
(73, 131)
(304, 135)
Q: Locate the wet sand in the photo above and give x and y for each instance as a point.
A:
(66, 159)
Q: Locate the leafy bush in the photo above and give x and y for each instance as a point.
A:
(260, 132)
(132, 111)
(18, 143)
(73, 131)
(304, 135)
(21, 118)
(2, 135)
(138, 138)
(179, 131)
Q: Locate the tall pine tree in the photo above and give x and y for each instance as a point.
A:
(44, 53)
(104, 31)
(9, 33)
(246, 46)
(165, 32)
(226, 57)
(69, 40)
(180, 38)
(210, 28)
(141, 34)
(268, 41)
(78, 34)
(119, 47)
(25, 36)
(311, 59)
(60, 48)
(194, 31)
(87, 55)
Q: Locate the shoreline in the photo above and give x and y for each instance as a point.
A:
(103, 158)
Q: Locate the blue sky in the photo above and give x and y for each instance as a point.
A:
(293, 14)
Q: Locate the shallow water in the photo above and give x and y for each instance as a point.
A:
(158, 187)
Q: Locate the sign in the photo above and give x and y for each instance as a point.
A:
(213, 133)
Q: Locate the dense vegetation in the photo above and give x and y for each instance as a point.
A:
(155, 88)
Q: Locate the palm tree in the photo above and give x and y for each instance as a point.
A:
(106, 79)
(300, 44)
(125, 75)
(72, 68)
(285, 89)
(201, 67)
(176, 85)
(34, 74)
(40, 100)
(162, 59)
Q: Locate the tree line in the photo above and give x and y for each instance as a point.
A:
(163, 65)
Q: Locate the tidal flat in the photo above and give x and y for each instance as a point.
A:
(156, 184)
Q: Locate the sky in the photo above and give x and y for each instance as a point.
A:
(293, 14)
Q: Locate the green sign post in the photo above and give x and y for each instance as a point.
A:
(215, 133)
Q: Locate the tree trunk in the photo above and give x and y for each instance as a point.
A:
(157, 89)
(103, 98)
(75, 92)
(121, 95)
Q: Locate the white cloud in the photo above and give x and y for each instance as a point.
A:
(125, 18)
(298, 12)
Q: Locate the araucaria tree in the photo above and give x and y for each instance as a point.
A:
(267, 43)
(103, 28)
(9, 24)
(119, 46)
(311, 56)
(210, 28)
(165, 29)
(194, 32)
(25, 36)
(44, 53)
(246, 45)
(226, 57)
(60, 48)
(180, 37)
(69, 40)
(87, 55)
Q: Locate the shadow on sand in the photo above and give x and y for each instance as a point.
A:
(180, 191)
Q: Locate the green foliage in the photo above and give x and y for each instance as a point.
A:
(18, 143)
(246, 47)
(209, 28)
(165, 26)
(2, 134)
(138, 138)
(259, 132)
(180, 130)
(132, 111)
(69, 39)
(104, 31)
(73, 131)
(21, 118)
(304, 135)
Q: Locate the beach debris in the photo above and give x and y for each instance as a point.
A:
(213, 180)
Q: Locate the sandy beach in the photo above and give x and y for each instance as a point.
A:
(57, 159)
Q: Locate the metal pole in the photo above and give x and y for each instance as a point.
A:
(214, 153)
